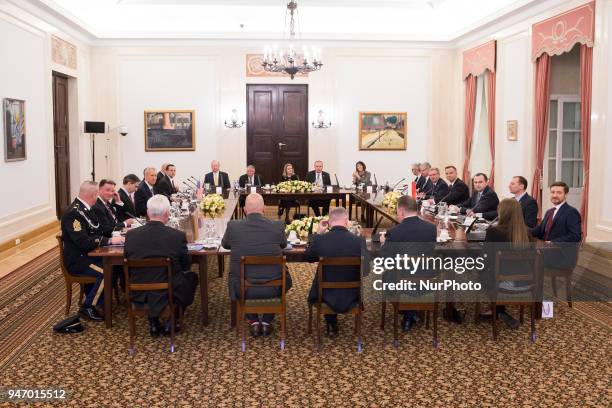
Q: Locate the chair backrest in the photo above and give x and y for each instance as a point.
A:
(148, 263)
(337, 261)
(60, 244)
(530, 261)
(263, 260)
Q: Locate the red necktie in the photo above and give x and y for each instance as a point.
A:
(549, 222)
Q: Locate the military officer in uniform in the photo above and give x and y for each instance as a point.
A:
(82, 233)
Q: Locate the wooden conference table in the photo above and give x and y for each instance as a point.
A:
(371, 203)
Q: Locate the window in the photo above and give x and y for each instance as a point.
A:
(565, 141)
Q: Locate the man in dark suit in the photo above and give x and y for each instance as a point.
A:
(165, 184)
(81, 234)
(106, 208)
(256, 235)
(483, 201)
(416, 173)
(458, 191)
(518, 187)
(145, 190)
(251, 178)
(321, 179)
(126, 196)
(561, 226)
(415, 234)
(439, 188)
(217, 178)
(156, 240)
(335, 242)
(424, 184)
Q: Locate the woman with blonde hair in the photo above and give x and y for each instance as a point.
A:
(285, 205)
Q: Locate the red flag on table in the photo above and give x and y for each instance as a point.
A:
(413, 191)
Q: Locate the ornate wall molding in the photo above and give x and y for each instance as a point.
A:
(63, 52)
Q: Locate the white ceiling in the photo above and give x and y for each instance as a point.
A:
(363, 20)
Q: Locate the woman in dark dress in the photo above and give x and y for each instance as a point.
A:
(510, 229)
(285, 205)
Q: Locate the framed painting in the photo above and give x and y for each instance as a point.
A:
(169, 130)
(512, 130)
(14, 129)
(382, 131)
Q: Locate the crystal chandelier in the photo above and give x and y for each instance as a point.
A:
(288, 61)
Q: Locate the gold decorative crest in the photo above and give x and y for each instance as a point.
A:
(76, 226)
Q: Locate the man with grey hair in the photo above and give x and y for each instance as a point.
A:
(335, 240)
(424, 184)
(145, 190)
(156, 240)
(255, 235)
(81, 234)
(217, 178)
(416, 173)
(319, 178)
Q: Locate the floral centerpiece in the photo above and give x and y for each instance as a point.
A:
(294, 186)
(390, 200)
(212, 205)
(301, 227)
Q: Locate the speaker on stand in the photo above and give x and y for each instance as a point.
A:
(93, 128)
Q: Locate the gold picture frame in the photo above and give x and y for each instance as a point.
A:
(169, 130)
(512, 130)
(380, 131)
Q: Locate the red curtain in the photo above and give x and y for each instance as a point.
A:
(470, 111)
(586, 74)
(491, 118)
(542, 91)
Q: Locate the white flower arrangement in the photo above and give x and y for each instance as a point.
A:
(301, 227)
(212, 205)
(293, 186)
(390, 200)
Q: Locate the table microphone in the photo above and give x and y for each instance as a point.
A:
(132, 216)
(337, 182)
(397, 184)
(375, 181)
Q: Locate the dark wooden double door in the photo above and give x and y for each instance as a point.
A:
(277, 129)
(61, 143)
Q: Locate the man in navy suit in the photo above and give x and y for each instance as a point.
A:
(424, 184)
(483, 201)
(439, 188)
(217, 178)
(517, 187)
(562, 226)
(335, 240)
(418, 234)
(126, 196)
(458, 191)
(145, 190)
(319, 178)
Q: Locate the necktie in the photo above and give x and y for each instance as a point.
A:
(478, 198)
(216, 178)
(549, 221)
(110, 211)
(132, 198)
(318, 179)
(251, 180)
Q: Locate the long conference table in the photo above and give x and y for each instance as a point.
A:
(371, 204)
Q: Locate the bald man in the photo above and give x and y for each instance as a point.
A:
(255, 235)
(217, 178)
(81, 234)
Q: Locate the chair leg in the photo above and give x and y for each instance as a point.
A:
(241, 323)
(68, 297)
(132, 327)
(172, 323)
(477, 313)
(283, 324)
(427, 320)
(318, 329)
(81, 294)
(494, 320)
(521, 311)
(220, 264)
(533, 315)
(358, 330)
(309, 319)
(395, 325)
(568, 289)
(435, 325)
(383, 313)
(554, 285)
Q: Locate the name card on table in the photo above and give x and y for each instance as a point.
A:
(219, 190)
(330, 189)
(253, 189)
(369, 189)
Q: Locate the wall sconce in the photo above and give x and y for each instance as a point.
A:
(320, 123)
(234, 121)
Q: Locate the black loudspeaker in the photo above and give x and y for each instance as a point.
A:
(95, 127)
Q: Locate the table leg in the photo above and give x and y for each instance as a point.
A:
(107, 266)
(233, 314)
(343, 200)
(203, 269)
(350, 209)
(369, 216)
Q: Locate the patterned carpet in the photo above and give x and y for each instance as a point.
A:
(568, 366)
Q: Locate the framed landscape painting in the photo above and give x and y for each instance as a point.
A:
(13, 111)
(382, 131)
(169, 130)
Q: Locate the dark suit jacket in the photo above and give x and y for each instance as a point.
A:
(438, 191)
(420, 180)
(530, 210)
(164, 186)
(565, 232)
(244, 179)
(426, 186)
(457, 193)
(255, 235)
(311, 177)
(224, 180)
(155, 240)
(142, 194)
(127, 208)
(109, 218)
(487, 204)
(498, 239)
(337, 242)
